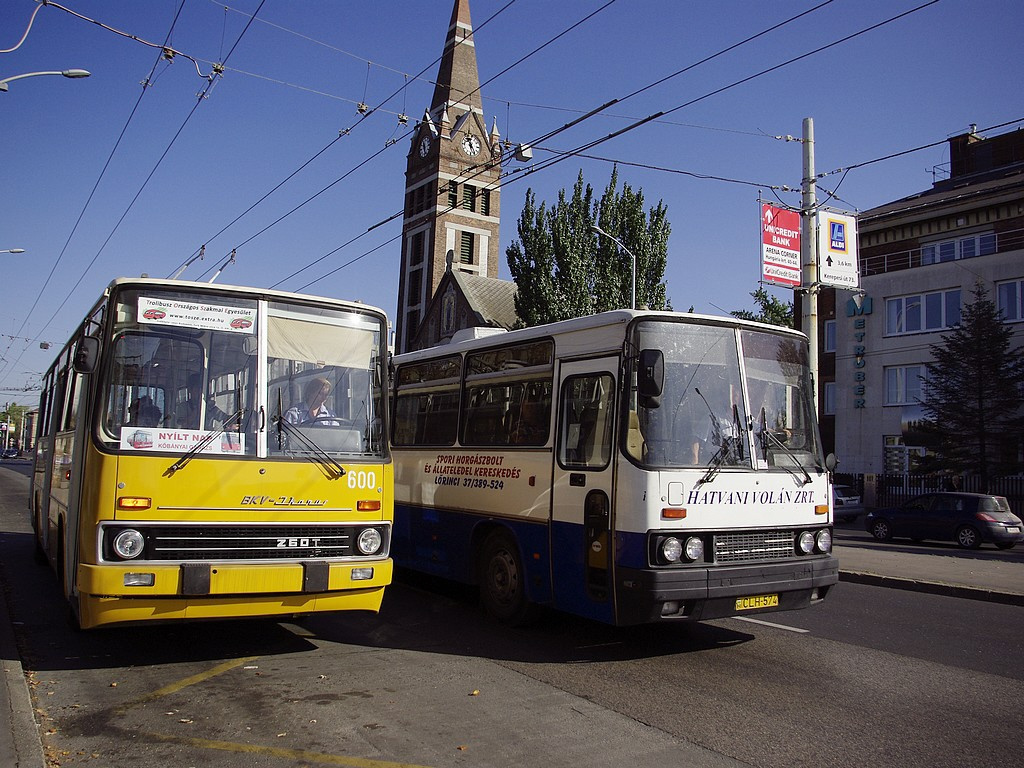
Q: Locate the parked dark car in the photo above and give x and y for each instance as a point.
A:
(10, 453)
(969, 519)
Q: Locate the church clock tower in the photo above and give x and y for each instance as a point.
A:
(451, 186)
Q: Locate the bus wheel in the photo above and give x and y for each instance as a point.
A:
(502, 588)
(71, 601)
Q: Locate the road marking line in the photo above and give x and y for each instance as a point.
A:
(291, 754)
(770, 624)
(185, 683)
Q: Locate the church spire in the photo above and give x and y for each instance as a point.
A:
(457, 80)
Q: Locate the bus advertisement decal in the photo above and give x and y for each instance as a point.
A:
(192, 314)
(179, 440)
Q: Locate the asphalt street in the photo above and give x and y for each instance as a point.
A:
(981, 575)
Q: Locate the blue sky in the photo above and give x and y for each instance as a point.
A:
(182, 174)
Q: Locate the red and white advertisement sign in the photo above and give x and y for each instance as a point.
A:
(780, 245)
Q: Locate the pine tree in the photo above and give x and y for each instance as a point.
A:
(563, 269)
(973, 394)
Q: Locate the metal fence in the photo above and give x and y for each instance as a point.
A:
(890, 490)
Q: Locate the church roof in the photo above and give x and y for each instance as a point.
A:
(492, 299)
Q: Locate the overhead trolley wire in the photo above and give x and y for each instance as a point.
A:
(199, 101)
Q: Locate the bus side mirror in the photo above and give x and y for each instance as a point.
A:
(87, 354)
(650, 377)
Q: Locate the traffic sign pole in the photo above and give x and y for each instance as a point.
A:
(809, 256)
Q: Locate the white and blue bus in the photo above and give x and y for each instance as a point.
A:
(628, 467)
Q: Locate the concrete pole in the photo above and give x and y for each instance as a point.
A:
(809, 256)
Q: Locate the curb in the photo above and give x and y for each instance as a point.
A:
(932, 588)
(20, 744)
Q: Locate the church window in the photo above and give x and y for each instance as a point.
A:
(485, 202)
(415, 287)
(416, 249)
(453, 194)
(466, 249)
(469, 197)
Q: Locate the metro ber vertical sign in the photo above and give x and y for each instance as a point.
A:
(780, 245)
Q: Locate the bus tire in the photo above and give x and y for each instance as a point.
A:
(502, 580)
(70, 601)
(38, 552)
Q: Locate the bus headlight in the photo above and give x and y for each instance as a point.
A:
(369, 541)
(128, 544)
(824, 540)
(805, 543)
(671, 549)
(694, 549)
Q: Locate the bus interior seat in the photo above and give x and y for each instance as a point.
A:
(634, 437)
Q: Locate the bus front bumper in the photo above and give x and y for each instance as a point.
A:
(650, 595)
(115, 594)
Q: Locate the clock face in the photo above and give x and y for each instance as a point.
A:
(424, 146)
(471, 145)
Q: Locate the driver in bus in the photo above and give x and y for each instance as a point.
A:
(187, 414)
(313, 408)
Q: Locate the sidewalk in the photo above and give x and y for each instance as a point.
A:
(988, 576)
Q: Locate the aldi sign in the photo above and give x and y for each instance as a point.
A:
(837, 250)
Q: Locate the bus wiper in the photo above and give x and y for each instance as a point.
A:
(730, 447)
(199, 447)
(768, 436)
(714, 465)
(331, 467)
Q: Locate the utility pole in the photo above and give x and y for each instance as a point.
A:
(809, 256)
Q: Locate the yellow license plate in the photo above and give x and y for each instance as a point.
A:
(757, 601)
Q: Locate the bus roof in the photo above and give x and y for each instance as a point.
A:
(261, 293)
(590, 322)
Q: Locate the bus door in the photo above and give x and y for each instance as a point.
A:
(581, 513)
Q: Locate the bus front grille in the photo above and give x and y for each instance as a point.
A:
(206, 543)
(752, 546)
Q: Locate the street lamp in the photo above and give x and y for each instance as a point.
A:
(632, 295)
(72, 73)
(13, 250)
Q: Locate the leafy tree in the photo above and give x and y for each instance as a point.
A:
(973, 394)
(772, 310)
(563, 269)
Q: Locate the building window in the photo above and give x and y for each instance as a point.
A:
(466, 248)
(485, 202)
(922, 312)
(904, 384)
(412, 324)
(469, 197)
(830, 336)
(959, 248)
(453, 194)
(415, 287)
(829, 398)
(1010, 298)
(416, 249)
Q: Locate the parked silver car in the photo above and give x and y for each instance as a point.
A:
(846, 505)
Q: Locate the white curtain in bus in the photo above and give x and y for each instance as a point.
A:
(319, 343)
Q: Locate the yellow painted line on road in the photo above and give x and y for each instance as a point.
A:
(289, 754)
(185, 683)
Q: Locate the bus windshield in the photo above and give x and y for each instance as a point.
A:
(729, 400)
(184, 374)
(779, 390)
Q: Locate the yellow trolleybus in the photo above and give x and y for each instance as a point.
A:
(629, 467)
(208, 451)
